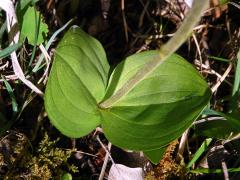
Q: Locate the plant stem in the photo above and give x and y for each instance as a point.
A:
(164, 52)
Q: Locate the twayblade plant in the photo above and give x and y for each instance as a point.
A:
(150, 99)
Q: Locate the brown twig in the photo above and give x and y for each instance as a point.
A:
(225, 74)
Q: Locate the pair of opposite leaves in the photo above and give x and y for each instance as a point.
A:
(155, 112)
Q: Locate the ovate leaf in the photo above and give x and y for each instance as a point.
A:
(159, 108)
(155, 155)
(77, 81)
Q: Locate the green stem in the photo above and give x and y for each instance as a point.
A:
(165, 51)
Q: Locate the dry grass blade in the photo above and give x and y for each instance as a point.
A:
(101, 176)
(48, 60)
(225, 171)
(225, 74)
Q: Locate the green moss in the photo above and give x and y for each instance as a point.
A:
(46, 162)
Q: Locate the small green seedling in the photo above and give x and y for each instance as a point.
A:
(139, 107)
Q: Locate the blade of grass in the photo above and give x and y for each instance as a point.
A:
(3, 29)
(236, 89)
(8, 123)
(200, 151)
(218, 59)
(7, 51)
(12, 96)
(237, 76)
(216, 171)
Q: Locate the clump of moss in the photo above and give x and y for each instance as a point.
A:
(50, 159)
(47, 162)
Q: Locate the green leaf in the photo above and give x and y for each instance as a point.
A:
(77, 81)
(155, 155)
(159, 108)
(33, 27)
(220, 129)
(232, 118)
(200, 151)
